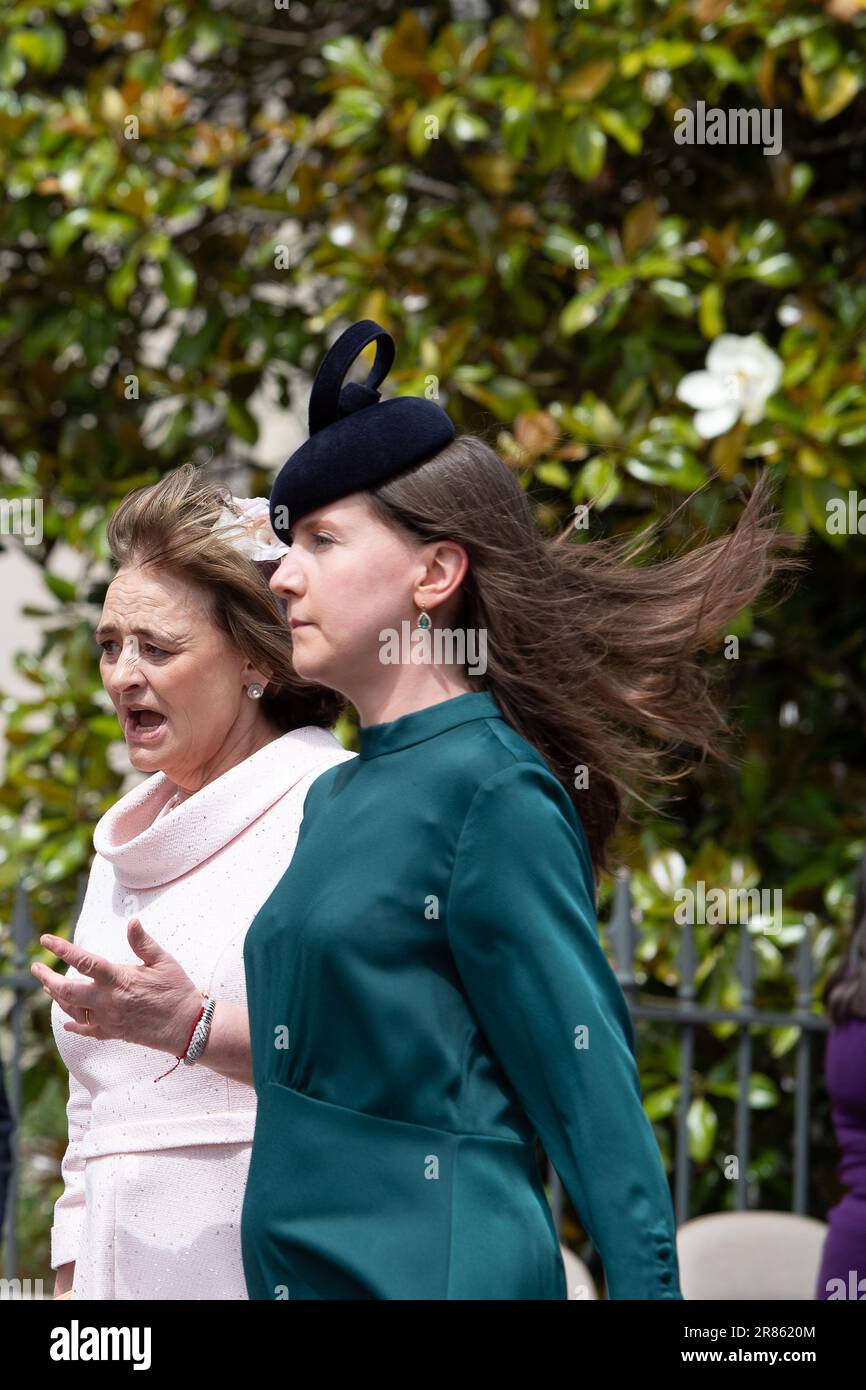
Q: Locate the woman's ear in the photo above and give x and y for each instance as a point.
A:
(256, 673)
(447, 567)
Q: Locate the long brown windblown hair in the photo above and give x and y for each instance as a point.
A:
(591, 657)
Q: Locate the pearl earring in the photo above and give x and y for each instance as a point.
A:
(255, 691)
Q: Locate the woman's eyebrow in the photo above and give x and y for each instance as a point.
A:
(323, 520)
(105, 628)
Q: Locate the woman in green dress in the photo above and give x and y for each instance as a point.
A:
(427, 992)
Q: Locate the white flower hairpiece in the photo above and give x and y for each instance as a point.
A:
(250, 519)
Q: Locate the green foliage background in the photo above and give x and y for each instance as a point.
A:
(555, 130)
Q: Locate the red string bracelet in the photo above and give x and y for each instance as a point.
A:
(188, 1041)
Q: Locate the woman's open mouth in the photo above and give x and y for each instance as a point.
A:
(143, 725)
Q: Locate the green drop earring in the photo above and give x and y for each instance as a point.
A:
(424, 620)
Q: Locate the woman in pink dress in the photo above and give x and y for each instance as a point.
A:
(196, 658)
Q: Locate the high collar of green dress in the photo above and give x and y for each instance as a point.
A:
(422, 724)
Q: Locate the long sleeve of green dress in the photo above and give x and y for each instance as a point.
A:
(521, 924)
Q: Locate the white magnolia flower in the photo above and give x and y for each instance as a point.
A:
(741, 374)
(249, 528)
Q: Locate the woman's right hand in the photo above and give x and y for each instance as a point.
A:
(63, 1281)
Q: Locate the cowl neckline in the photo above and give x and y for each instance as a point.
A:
(148, 850)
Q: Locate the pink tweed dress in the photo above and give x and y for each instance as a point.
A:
(154, 1172)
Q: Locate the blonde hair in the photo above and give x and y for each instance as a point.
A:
(168, 527)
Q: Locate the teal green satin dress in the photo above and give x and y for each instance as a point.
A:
(427, 993)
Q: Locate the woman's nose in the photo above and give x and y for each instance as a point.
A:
(287, 577)
(125, 669)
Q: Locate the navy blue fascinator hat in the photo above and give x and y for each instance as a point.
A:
(356, 440)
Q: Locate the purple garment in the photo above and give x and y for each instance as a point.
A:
(844, 1256)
